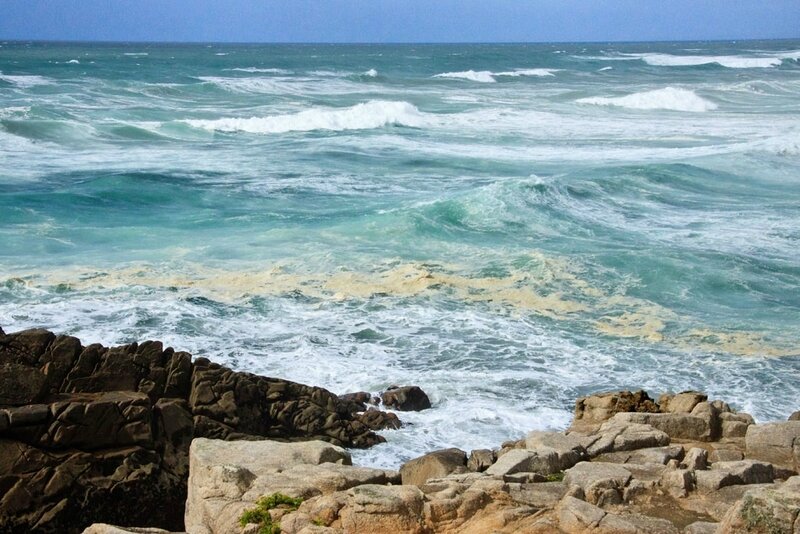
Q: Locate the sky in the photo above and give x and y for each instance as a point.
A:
(397, 20)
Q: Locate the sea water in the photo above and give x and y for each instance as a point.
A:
(507, 226)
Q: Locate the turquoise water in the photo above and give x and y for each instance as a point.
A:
(508, 226)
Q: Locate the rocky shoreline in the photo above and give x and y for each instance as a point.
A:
(142, 436)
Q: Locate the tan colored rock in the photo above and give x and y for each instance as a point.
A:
(701, 527)
(696, 458)
(683, 402)
(570, 448)
(649, 455)
(594, 478)
(725, 455)
(433, 465)
(675, 425)
(543, 461)
(602, 406)
(776, 443)
(383, 509)
(577, 517)
(620, 434)
(677, 482)
(480, 460)
(765, 510)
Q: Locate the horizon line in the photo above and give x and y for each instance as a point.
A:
(139, 42)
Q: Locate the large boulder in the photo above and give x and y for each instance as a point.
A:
(601, 482)
(543, 461)
(777, 443)
(435, 464)
(95, 434)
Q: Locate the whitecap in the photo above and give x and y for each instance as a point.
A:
(604, 69)
(134, 54)
(731, 62)
(670, 98)
(25, 80)
(527, 72)
(372, 73)
(483, 76)
(14, 112)
(73, 62)
(367, 115)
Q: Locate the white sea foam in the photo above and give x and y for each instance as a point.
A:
(483, 76)
(372, 73)
(134, 54)
(731, 62)
(246, 84)
(25, 80)
(367, 115)
(604, 68)
(670, 98)
(14, 112)
(73, 62)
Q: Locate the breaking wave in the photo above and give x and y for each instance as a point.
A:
(367, 115)
(486, 76)
(670, 98)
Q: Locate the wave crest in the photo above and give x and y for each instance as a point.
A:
(367, 115)
(670, 98)
(486, 76)
(731, 62)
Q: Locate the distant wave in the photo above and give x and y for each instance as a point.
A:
(731, 62)
(367, 115)
(73, 62)
(25, 80)
(245, 84)
(134, 54)
(257, 69)
(372, 73)
(670, 98)
(485, 76)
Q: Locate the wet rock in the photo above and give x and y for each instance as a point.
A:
(407, 398)
(435, 464)
(379, 420)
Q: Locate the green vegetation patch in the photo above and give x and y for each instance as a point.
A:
(555, 477)
(260, 514)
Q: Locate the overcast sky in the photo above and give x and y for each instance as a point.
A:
(398, 20)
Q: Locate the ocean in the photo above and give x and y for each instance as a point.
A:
(507, 226)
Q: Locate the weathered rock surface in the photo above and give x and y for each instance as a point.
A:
(777, 443)
(436, 464)
(94, 434)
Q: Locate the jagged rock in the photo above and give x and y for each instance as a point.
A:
(777, 443)
(408, 398)
(765, 510)
(795, 416)
(735, 425)
(83, 429)
(480, 460)
(379, 420)
(602, 406)
(543, 461)
(435, 464)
